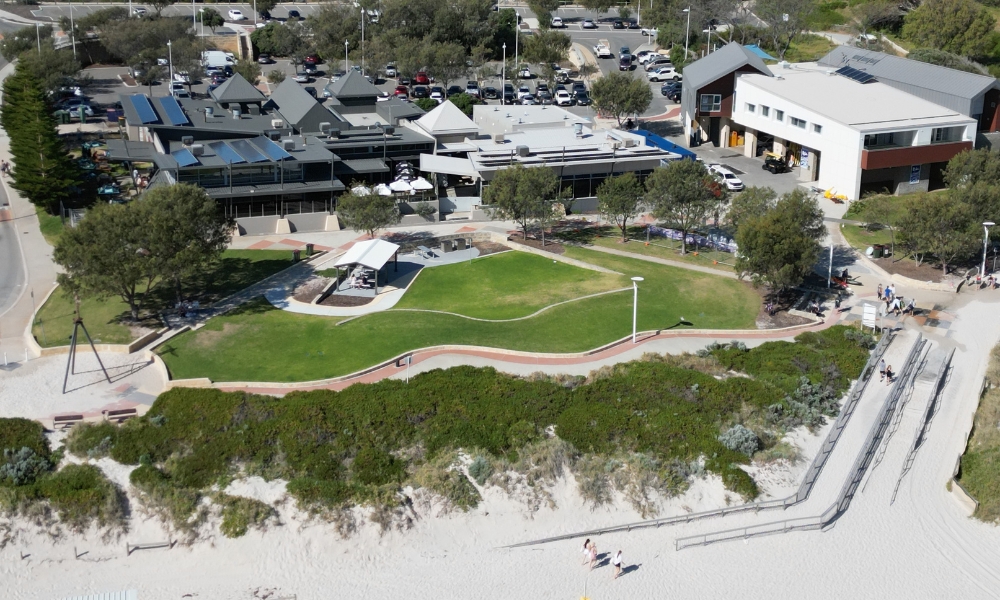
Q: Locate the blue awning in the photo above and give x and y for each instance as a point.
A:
(756, 50)
(664, 144)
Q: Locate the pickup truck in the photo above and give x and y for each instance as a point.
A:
(603, 49)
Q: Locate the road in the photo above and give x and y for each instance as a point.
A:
(11, 265)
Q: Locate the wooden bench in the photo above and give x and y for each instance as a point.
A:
(121, 415)
(66, 421)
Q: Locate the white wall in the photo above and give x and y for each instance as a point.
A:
(839, 146)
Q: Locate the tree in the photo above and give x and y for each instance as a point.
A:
(619, 199)
(779, 248)
(249, 69)
(683, 194)
(598, 6)
(546, 48)
(25, 39)
(211, 18)
(264, 7)
(464, 102)
(543, 10)
(619, 94)
(278, 39)
(276, 76)
(107, 254)
(971, 167)
(870, 17)
(446, 61)
(159, 5)
(427, 104)
(961, 27)
(51, 68)
(150, 76)
(941, 225)
(880, 210)
(364, 211)
(523, 195)
(785, 20)
(947, 59)
(751, 202)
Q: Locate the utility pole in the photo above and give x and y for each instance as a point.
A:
(72, 30)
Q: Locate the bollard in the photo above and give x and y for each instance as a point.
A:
(5, 359)
(309, 249)
(295, 255)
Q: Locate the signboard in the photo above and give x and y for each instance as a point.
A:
(914, 174)
(868, 318)
(804, 158)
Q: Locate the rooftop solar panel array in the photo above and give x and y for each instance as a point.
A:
(248, 151)
(143, 108)
(272, 150)
(173, 111)
(855, 74)
(227, 154)
(184, 157)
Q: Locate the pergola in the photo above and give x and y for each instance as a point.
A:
(372, 254)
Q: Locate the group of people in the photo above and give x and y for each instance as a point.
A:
(894, 304)
(885, 372)
(590, 557)
(5, 167)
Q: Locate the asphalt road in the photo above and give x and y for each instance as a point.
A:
(11, 265)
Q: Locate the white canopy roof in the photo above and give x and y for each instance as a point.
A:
(372, 254)
(420, 184)
(449, 165)
(447, 119)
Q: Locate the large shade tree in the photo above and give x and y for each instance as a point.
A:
(683, 194)
(619, 199)
(363, 210)
(523, 195)
(620, 95)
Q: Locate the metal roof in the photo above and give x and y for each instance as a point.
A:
(725, 60)
(447, 119)
(352, 85)
(300, 109)
(371, 253)
(269, 189)
(359, 166)
(236, 89)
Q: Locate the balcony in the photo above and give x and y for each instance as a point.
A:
(893, 156)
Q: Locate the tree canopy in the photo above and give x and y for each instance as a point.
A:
(619, 199)
(941, 225)
(363, 210)
(620, 95)
(785, 20)
(751, 202)
(523, 195)
(278, 39)
(683, 194)
(962, 27)
(947, 59)
(780, 247)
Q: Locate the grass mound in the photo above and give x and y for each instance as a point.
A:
(980, 468)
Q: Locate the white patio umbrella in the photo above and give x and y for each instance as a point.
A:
(383, 190)
(400, 186)
(361, 190)
(421, 184)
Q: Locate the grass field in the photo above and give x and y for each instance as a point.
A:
(659, 247)
(50, 225)
(505, 286)
(860, 238)
(260, 343)
(808, 47)
(238, 269)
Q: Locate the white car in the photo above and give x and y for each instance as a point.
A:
(522, 92)
(472, 89)
(163, 62)
(301, 77)
(564, 98)
(657, 61)
(139, 11)
(733, 183)
(437, 94)
(664, 73)
(236, 15)
(382, 97)
(390, 71)
(524, 73)
(182, 77)
(588, 24)
(645, 31)
(557, 23)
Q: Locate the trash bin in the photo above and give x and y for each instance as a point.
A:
(295, 255)
(446, 246)
(460, 243)
(878, 250)
(309, 249)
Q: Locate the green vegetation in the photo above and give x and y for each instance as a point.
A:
(827, 15)
(240, 514)
(50, 225)
(106, 317)
(260, 343)
(30, 485)
(505, 286)
(658, 247)
(980, 468)
(808, 47)
(628, 426)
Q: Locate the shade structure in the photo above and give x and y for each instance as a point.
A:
(400, 186)
(361, 190)
(421, 184)
(383, 190)
(372, 254)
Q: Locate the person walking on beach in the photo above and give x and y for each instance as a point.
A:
(881, 369)
(617, 562)
(586, 551)
(593, 555)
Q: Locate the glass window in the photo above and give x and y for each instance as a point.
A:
(711, 102)
(751, 108)
(765, 111)
(779, 115)
(817, 128)
(798, 122)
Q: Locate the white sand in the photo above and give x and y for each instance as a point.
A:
(922, 546)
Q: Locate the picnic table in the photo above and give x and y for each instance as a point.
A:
(425, 252)
(109, 189)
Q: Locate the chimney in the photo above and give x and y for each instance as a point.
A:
(237, 113)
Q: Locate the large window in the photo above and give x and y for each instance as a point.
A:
(797, 122)
(946, 134)
(817, 128)
(711, 103)
(874, 140)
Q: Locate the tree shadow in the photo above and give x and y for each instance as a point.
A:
(574, 233)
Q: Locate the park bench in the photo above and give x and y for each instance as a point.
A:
(121, 415)
(425, 252)
(66, 421)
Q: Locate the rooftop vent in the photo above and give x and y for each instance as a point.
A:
(197, 149)
(254, 109)
(324, 127)
(187, 140)
(498, 138)
(237, 113)
(578, 129)
(288, 144)
(209, 112)
(390, 130)
(277, 123)
(522, 151)
(274, 135)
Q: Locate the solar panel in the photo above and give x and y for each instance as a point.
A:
(227, 154)
(184, 157)
(248, 151)
(142, 106)
(855, 74)
(173, 111)
(272, 150)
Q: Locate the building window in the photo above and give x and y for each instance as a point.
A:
(873, 140)
(711, 103)
(751, 108)
(946, 134)
(798, 122)
(765, 110)
(779, 115)
(817, 128)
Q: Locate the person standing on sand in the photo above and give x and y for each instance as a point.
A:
(593, 555)
(586, 551)
(881, 370)
(617, 562)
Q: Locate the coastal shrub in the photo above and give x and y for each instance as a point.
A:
(740, 439)
(239, 514)
(862, 338)
(480, 469)
(82, 495)
(22, 467)
(443, 477)
(23, 433)
(91, 440)
(159, 493)
(375, 466)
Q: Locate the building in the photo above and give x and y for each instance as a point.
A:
(881, 139)
(976, 96)
(707, 93)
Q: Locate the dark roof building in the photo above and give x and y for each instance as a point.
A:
(237, 90)
(301, 111)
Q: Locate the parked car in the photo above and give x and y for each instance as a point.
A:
(523, 91)
(402, 92)
(645, 31)
(524, 72)
(302, 77)
(455, 90)
(542, 87)
(264, 59)
(544, 97)
(625, 62)
(578, 86)
(138, 11)
(675, 96)
(631, 24)
(310, 90)
(564, 98)
(162, 62)
(557, 23)
(670, 86)
(665, 73)
(236, 15)
(491, 93)
(528, 100)
(732, 182)
(382, 97)
(390, 70)
(421, 78)
(403, 80)
(562, 76)
(775, 164)
(624, 51)
(508, 93)
(74, 110)
(656, 62)
(437, 93)
(313, 58)
(336, 76)
(582, 98)
(588, 24)
(642, 54)
(420, 91)
(182, 93)
(472, 88)
(618, 24)
(182, 77)
(294, 14)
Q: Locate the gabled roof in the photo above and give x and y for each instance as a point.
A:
(893, 69)
(352, 85)
(727, 59)
(236, 89)
(371, 253)
(300, 109)
(447, 119)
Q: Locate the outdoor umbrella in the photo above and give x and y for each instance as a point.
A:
(383, 190)
(400, 186)
(421, 184)
(361, 190)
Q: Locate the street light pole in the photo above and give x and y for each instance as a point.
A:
(347, 62)
(635, 303)
(170, 66)
(72, 30)
(362, 40)
(517, 31)
(38, 36)
(503, 74)
(687, 33)
(986, 241)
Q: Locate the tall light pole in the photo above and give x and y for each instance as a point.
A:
(517, 32)
(503, 75)
(194, 18)
(347, 62)
(363, 40)
(986, 241)
(254, 11)
(687, 33)
(38, 36)
(635, 303)
(72, 30)
(170, 66)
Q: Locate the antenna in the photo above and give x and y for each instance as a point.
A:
(71, 358)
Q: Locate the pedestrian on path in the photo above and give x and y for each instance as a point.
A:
(911, 307)
(593, 555)
(889, 376)
(879, 296)
(881, 369)
(617, 562)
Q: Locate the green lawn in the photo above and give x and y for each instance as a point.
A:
(238, 269)
(808, 47)
(50, 225)
(659, 247)
(860, 238)
(261, 343)
(505, 286)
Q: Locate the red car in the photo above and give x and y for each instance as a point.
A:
(313, 58)
(402, 91)
(421, 78)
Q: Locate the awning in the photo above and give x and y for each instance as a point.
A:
(131, 151)
(756, 50)
(372, 254)
(360, 166)
(447, 165)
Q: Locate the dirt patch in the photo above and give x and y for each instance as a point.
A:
(308, 291)
(907, 267)
(489, 247)
(207, 338)
(780, 317)
(550, 246)
(345, 300)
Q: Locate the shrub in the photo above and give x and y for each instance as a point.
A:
(22, 467)
(740, 439)
(442, 477)
(21, 433)
(239, 514)
(861, 338)
(81, 495)
(159, 493)
(480, 469)
(375, 466)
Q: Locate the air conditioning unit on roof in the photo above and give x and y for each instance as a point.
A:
(288, 144)
(277, 124)
(197, 149)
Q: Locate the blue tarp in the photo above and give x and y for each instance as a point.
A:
(654, 140)
(756, 50)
